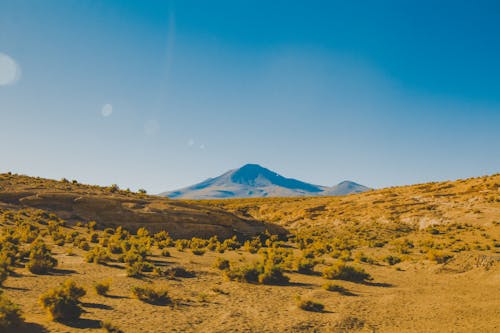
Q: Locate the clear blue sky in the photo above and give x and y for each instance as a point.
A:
(160, 95)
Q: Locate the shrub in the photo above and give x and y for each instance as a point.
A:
(231, 243)
(151, 296)
(134, 269)
(40, 259)
(181, 244)
(264, 273)
(342, 271)
(102, 288)
(198, 251)
(309, 305)
(98, 255)
(94, 237)
(176, 271)
(10, 315)
(63, 303)
(221, 263)
(337, 288)
(165, 252)
(248, 274)
(273, 275)
(252, 246)
(305, 265)
(392, 260)
(438, 256)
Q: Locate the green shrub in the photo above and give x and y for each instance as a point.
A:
(102, 288)
(151, 296)
(165, 253)
(10, 315)
(63, 303)
(342, 271)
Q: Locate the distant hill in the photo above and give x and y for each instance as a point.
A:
(255, 181)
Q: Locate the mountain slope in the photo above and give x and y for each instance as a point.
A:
(254, 181)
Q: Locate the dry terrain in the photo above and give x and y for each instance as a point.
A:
(424, 258)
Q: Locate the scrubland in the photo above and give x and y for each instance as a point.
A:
(422, 258)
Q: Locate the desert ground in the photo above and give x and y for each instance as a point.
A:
(429, 255)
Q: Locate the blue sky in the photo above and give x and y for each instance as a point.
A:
(160, 95)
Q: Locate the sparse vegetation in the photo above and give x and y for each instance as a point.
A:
(340, 271)
(310, 305)
(102, 288)
(152, 296)
(63, 303)
(383, 227)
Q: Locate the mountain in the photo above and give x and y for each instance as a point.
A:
(252, 181)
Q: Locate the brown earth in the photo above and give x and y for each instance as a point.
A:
(111, 208)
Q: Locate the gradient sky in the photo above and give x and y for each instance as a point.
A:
(160, 95)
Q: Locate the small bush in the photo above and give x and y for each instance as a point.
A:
(98, 255)
(264, 273)
(134, 269)
(309, 305)
(392, 260)
(336, 288)
(10, 315)
(63, 303)
(102, 288)
(438, 256)
(221, 263)
(176, 271)
(342, 271)
(165, 252)
(198, 252)
(305, 265)
(40, 259)
(151, 296)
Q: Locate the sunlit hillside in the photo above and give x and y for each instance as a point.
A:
(422, 258)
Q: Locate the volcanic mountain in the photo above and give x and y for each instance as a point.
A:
(252, 181)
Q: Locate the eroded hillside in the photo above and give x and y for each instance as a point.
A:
(111, 207)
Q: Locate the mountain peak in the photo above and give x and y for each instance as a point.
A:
(250, 173)
(253, 180)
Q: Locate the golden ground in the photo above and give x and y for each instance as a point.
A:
(461, 219)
